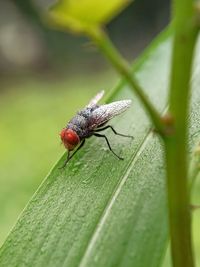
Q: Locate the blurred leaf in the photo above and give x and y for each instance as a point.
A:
(83, 16)
(100, 211)
(194, 168)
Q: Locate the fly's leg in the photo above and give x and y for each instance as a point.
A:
(114, 131)
(65, 162)
(70, 156)
(102, 135)
(81, 145)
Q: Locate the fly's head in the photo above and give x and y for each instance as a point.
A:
(69, 138)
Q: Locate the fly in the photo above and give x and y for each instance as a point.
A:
(89, 122)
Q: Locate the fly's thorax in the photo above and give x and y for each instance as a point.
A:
(69, 138)
(80, 123)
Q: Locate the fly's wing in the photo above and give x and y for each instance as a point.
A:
(95, 99)
(106, 112)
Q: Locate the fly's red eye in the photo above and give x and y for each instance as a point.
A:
(72, 137)
(69, 138)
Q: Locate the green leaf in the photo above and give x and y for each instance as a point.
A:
(83, 16)
(100, 211)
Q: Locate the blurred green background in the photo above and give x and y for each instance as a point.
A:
(45, 77)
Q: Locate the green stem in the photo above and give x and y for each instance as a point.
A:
(121, 65)
(176, 144)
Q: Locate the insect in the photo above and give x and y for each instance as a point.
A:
(89, 122)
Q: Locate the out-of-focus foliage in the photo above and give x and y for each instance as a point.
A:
(85, 16)
(26, 44)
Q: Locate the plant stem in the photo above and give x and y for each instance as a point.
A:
(176, 144)
(121, 65)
